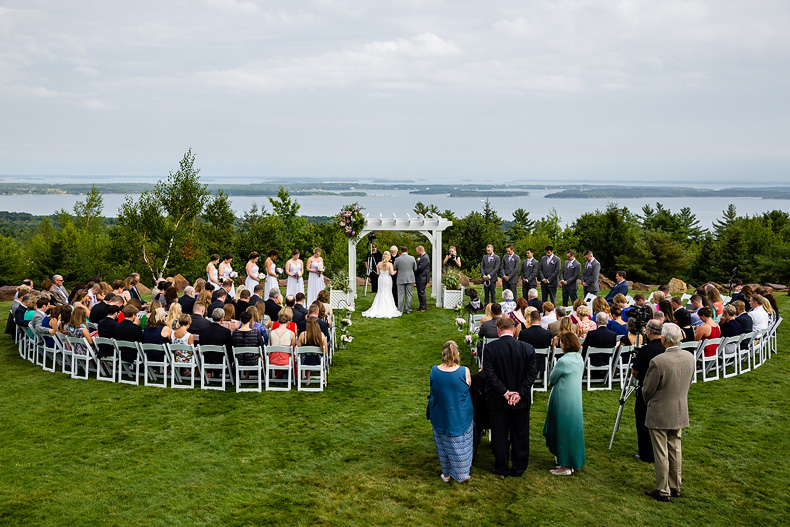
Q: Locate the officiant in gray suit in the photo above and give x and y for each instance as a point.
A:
(550, 266)
(511, 267)
(571, 270)
(488, 269)
(592, 268)
(422, 276)
(405, 265)
(529, 273)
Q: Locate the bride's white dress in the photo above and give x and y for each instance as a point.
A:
(384, 305)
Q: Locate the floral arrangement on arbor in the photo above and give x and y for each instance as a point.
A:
(351, 220)
(344, 325)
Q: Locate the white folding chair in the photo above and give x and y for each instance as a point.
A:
(543, 374)
(772, 336)
(706, 364)
(151, 376)
(20, 336)
(684, 298)
(301, 353)
(621, 365)
(222, 368)
(110, 361)
(486, 342)
(744, 351)
(272, 368)
(728, 351)
(756, 348)
(256, 370)
(131, 359)
(605, 368)
(62, 348)
(85, 360)
(50, 350)
(474, 322)
(38, 349)
(177, 379)
(692, 347)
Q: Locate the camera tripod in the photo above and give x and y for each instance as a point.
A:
(628, 387)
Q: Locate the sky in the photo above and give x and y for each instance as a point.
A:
(503, 91)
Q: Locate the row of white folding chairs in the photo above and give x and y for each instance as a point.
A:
(110, 367)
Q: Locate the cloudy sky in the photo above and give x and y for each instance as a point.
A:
(441, 91)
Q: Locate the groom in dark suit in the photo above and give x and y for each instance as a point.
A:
(488, 269)
(510, 369)
(550, 266)
(511, 267)
(422, 276)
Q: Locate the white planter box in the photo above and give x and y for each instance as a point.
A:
(339, 299)
(452, 297)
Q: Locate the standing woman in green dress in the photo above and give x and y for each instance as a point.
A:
(564, 427)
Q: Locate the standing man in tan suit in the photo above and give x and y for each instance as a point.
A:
(665, 391)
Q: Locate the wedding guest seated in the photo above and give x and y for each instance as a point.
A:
(585, 325)
(156, 332)
(289, 314)
(549, 315)
(257, 291)
(246, 337)
(187, 300)
(737, 286)
(199, 321)
(77, 327)
(769, 304)
(80, 300)
(532, 299)
(290, 301)
(219, 302)
(600, 305)
(312, 336)
(128, 330)
(617, 324)
(601, 337)
(106, 329)
(665, 306)
(312, 312)
(554, 327)
(229, 321)
(159, 294)
(257, 323)
(95, 293)
(281, 335)
(659, 316)
(488, 327)
(537, 336)
(729, 323)
(21, 309)
(242, 302)
(100, 309)
(274, 304)
(171, 297)
(708, 330)
(519, 317)
(683, 320)
(576, 304)
(172, 316)
(743, 318)
(508, 304)
(204, 298)
(629, 339)
(26, 287)
(215, 334)
(323, 297)
(760, 319)
(299, 310)
(199, 285)
(566, 326)
(747, 292)
(487, 313)
(695, 304)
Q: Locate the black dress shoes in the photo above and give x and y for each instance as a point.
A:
(675, 493)
(657, 496)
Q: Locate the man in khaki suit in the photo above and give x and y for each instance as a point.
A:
(665, 391)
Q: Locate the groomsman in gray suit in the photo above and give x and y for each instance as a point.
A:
(590, 274)
(550, 266)
(529, 274)
(488, 268)
(405, 265)
(511, 265)
(571, 270)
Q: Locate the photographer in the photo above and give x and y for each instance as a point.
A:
(639, 365)
(452, 260)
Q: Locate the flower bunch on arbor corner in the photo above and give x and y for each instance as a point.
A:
(351, 220)
(345, 324)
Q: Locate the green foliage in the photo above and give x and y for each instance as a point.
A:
(610, 234)
(451, 278)
(425, 210)
(655, 259)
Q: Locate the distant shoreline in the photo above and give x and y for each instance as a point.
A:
(355, 189)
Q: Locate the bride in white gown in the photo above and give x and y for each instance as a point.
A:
(384, 305)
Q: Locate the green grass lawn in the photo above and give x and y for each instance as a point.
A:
(361, 453)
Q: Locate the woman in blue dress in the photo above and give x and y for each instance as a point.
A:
(564, 427)
(451, 414)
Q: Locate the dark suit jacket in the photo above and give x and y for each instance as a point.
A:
(746, 322)
(488, 329)
(216, 335)
(643, 356)
(198, 323)
(272, 309)
(131, 332)
(254, 299)
(602, 337)
(536, 336)
(187, 304)
(135, 294)
(537, 304)
(106, 329)
(216, 304)
(509, 365)
(300, 313)
(511, 266)
(19, 316)
(241, 307)
(423, 273)
(302, 325)
(490, 268)
(529, 272)
(99, 312)
(618, 288)
(550, 270)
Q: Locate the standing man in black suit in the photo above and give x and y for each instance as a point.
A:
(590, 273)
(187, 300)
(639, 365)
(372, 260)
(550, 266)
(571, 271)
(489, 268)
(511, 267)
(529, 273)
(422, 276)
(510, 369)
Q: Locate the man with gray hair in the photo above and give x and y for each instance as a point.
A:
(187, 301)
(665, 391)
(215, 334)
(554, 327)
(639, 365)
(532, 300)
(274, 304)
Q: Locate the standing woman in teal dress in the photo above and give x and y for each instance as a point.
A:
(564, 427)
(451, 414)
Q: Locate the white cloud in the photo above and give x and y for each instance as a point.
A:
(96, 104)
(233, 6)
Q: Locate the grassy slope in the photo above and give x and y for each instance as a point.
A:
(361, 453)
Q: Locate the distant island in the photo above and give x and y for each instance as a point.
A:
(625, 192)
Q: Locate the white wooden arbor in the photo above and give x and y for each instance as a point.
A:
(431, 228)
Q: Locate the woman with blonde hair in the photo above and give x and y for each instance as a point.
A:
(566, 326)
(204, 299)
(323, 297)
(451, 414)
(715, 299)
(600, 305)
(585, 325)
(76, 326)
(256, 323)
(311, 336)
(487, 316)
(200, 286)
(172, 315)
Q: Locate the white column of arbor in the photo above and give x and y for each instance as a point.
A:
(430, 227)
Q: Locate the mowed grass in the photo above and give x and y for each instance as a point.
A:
(361, 453)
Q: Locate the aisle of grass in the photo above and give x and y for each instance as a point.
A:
(361, 453)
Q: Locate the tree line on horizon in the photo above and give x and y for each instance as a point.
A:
(174, 227)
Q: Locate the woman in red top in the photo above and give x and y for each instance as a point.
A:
(708, 330)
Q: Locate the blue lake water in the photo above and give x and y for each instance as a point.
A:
(399, 202)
